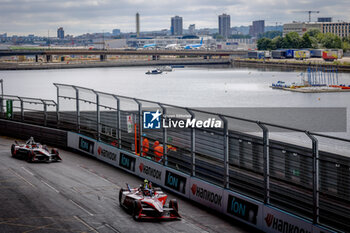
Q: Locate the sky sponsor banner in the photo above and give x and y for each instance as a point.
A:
(206, 194)
(242, 208)
(150, 170)
(127, 162)
(107, 153)
(177, 182)
(277, 221)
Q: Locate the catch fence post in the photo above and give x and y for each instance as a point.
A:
(266, 158)
(226, 154)
(315, 178)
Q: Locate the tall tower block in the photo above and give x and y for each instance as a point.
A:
(137, 24)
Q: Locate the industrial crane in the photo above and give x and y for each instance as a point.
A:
(309, 12)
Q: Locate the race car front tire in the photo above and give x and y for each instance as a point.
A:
(173, 204)
(29, 157)
(13, 150)
(137, 208)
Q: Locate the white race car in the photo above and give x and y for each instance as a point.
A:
(148, 203)
(33, 151)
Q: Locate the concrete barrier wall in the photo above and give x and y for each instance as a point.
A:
(235, 205)
(41, 134)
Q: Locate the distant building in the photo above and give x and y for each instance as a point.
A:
(60, 33)
(176, 26)
(137, 24)
(300, 28)
(258, 27)
(191, 29)
(225, 25)
(340, 29)
(116, 32)
(324, 19)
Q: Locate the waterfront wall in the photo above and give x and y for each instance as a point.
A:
(39, 66)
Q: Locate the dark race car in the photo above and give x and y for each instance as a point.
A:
(148, 203)
(33, 151)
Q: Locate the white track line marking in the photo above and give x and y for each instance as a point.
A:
(111, 228)
(22, 178)
(87, 225)
(50, 186)
(88, 170)
(27, 171)
(82, 208)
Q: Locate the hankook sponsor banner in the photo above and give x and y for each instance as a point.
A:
(243, 208)
(207, 194)
(82, 143)
(107, 153)
(150, 170)
(275, 220)
(177, 182)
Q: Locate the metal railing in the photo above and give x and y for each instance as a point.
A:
(306, 181)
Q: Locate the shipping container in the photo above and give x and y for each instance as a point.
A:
(289, 53)
(316, 52)
(301, 54)
(258, 54)
(330, 55)
(252, 54)
(278, 54)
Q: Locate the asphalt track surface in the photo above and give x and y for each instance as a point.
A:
(80, 194)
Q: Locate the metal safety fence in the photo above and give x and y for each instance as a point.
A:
(305, 181)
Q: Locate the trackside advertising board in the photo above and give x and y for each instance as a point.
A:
(243, 208)
(107, 153)
(150, 170)
(82, 143)
(277, 221)
(177, 182)
(207, 194)
(127, 161)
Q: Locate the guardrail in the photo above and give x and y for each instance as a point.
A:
(307, 182)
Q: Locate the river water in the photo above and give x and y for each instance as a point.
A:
(214, 86)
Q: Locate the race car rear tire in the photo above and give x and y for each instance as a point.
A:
(173, 204)
(13, 150)
(29, 157)
(137, 208)
(120, 196)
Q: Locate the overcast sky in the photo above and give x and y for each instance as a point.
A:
(23, 17)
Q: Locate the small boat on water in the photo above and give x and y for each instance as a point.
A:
(157, 71)
(166, 68)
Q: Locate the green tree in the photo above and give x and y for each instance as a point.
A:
(331, 41)
(292, 40)
(270, 34)
(314, 42)
(306, 41)
(277, 42)
(313, 32)
(264, 44)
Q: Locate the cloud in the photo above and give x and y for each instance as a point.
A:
(23, 17)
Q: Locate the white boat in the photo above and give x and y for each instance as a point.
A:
(157, 71)
(166, 68)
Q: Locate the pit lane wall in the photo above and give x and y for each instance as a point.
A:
(232, 204)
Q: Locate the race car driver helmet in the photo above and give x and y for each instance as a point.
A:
(145, 184)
